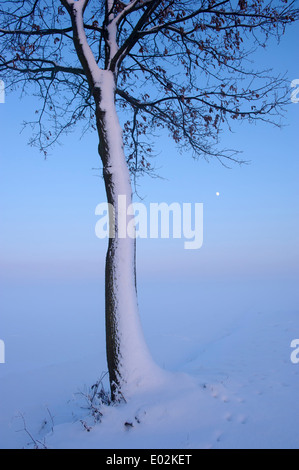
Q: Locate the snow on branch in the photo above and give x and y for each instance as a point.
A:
(85, 54)
(132, 39)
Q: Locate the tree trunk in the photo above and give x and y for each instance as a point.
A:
(129, 362)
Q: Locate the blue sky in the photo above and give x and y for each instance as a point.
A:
(250, 229)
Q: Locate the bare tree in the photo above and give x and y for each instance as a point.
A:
(178, 65)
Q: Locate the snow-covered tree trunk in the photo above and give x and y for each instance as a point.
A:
(129, 361)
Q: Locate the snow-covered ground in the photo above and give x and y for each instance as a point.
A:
(224, 346)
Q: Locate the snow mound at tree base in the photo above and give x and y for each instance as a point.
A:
(180, 413)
